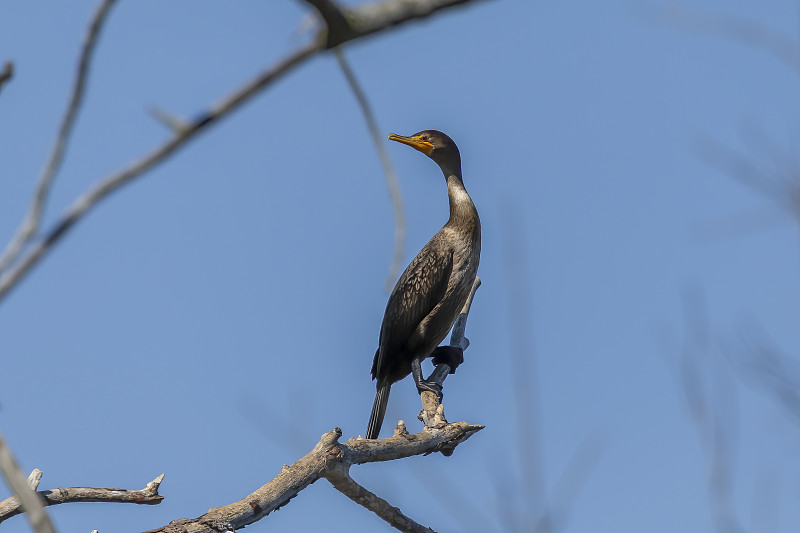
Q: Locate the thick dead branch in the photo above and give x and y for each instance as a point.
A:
(7, 73)
(30, 224)
(146, 496)
(365, 21)
(327, 458)
(388, 169)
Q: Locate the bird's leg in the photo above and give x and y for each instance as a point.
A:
(424, 385)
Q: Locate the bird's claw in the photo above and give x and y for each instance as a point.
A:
(430, 386)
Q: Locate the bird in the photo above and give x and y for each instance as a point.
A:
(432, 290)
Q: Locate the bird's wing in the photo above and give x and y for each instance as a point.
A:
(421, 287)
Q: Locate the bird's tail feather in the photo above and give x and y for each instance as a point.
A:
(378, 410)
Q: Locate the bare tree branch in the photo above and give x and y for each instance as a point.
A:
(458, 336)
(388, 169)
(30, 224)
(174, 123)
(25, 494)
(340, 478)
(34, 479)
(780, 185)
(460, 501)
(146, 496)
(712, 400)
(572, 479)
(7, 73)
(327, 456)
(745, 169)
(765, 367)
(524, 374)
(368, 19)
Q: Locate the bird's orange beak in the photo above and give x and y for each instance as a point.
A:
(414, 142)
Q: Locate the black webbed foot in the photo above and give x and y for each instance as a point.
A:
(450, 355)
(430, 386)
(424, 384)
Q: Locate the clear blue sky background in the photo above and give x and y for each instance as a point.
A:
(214, 318)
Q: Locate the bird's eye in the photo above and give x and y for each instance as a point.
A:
(424, 137)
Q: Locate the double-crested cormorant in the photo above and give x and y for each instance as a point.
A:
(431, 292)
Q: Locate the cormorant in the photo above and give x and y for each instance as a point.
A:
(430, 293)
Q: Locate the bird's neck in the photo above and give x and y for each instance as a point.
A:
(462, 210)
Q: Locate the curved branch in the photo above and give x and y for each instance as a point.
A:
(30, 224)
(388, 169)
(146, 496)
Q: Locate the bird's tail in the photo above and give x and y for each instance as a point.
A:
(378, 410)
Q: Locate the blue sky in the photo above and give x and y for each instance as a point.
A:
(213, 319)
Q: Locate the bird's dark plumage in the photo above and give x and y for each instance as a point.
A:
(431, 292)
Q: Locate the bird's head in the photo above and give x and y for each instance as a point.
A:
(435, 145)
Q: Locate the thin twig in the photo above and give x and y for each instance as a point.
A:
(7, 73)
(26, 497)
(782, 187)
(34, 478)
(388, 169)
(173, 123)
(572, 479)
(456, 499)
(524, 371)
(30, 224)
(742, 168)
(714, 409)
(146, 496)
